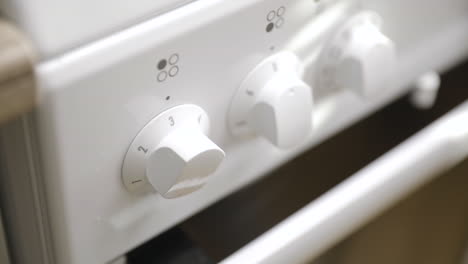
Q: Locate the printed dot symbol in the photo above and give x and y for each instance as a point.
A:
(162, 76)
(173, 71)
(174, 59)
(168, 68)
(281, 11)
(162, 64)
(271, 15)
(270, 27)
(279, 23)
(275, 18)
(168, 98)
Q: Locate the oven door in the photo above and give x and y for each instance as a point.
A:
(352, 203)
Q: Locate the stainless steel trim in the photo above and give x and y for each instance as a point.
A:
(22, 195)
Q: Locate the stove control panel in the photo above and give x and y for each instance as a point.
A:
(164, 118)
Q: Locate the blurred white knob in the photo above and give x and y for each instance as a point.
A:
(426, 89)
(361, 57)
(273, 102)
(282, 111)
(172, 154)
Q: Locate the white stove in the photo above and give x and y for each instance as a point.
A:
(149, 112)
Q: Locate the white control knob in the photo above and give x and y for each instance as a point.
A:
(360, 57)
(274, 102)
(172, 154)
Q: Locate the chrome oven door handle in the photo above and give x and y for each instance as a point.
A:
(357, 200)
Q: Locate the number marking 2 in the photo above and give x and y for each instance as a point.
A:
(144, 150)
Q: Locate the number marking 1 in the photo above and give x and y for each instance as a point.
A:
(275, 66)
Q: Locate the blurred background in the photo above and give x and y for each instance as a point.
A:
(430, 226)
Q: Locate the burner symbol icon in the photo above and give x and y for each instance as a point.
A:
(275, 19)
(168, 67)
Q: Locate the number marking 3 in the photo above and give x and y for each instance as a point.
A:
(171, 121)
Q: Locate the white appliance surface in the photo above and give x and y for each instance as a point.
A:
(94, 100)
(57, 26)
